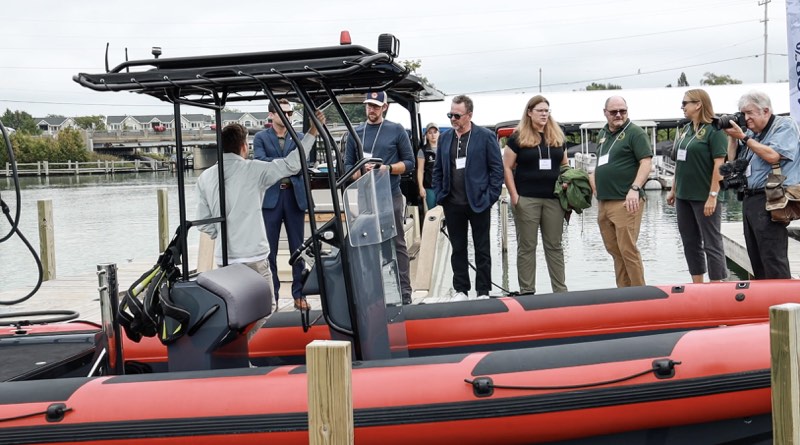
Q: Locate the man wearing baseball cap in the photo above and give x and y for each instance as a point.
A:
(389, 142)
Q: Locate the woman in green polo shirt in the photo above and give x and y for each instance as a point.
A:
(700, 150)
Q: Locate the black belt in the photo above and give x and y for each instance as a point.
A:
(753, 192)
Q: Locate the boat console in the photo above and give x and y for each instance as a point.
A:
(223, 306)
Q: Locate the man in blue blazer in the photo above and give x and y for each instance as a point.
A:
(284, 203)
(467, 178)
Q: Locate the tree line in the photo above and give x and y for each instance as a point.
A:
(30, 146)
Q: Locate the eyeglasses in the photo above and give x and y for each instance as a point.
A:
(621, 112)
(455, 116)
(683, 104)
(541, 111)
(288, 113)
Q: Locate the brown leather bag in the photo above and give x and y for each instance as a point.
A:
(783, 202)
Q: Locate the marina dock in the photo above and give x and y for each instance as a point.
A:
(735, 250)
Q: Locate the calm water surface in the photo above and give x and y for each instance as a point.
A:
(589, 266)
(96, 219)
(100, 219)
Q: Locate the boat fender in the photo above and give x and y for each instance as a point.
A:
(482, 386)
(664, 368)
(55, 412)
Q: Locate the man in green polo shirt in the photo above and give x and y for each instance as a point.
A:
(624, 158)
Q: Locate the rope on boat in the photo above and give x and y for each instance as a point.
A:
(664, 368)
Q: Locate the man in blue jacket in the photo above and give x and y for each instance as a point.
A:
(284, 203)
(467, 178)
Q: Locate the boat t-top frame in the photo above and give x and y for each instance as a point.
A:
(314, 77)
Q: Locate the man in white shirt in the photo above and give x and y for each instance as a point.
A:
(246, 181)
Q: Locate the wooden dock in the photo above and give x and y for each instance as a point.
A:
(735, 250)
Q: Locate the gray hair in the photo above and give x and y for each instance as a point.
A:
(757, 98)
(462, 99)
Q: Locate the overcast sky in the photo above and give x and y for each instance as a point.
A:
(464, 46)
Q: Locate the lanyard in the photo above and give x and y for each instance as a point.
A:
(683, 136)
(615, 139)
(540, 151)
(374, 141)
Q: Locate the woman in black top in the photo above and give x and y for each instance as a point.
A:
(426, 157)
(532, 159)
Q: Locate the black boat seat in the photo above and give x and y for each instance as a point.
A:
(222, 304)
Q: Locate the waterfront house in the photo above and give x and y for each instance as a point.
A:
(54, 124)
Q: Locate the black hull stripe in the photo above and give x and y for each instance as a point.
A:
(494, 306)
(474, 409)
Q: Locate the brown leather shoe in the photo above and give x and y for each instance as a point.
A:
(301, 304)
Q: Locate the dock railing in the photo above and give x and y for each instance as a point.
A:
(47, 168)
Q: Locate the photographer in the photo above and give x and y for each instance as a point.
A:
(769, 139)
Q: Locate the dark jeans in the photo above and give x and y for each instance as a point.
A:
(287, 213)
(767, 242)
(456, 219)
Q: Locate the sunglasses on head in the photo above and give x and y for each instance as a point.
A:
(455, 116)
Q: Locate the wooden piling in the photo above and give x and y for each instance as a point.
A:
(47, 247)
(163, 219)
(784, 323)
(330, 394)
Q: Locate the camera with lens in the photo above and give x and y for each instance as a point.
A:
(733, 174)
(724, 121)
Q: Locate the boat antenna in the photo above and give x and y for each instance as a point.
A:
(106, 56)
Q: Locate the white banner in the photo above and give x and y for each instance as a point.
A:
(793, 34)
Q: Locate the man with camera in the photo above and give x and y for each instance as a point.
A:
(768, 140)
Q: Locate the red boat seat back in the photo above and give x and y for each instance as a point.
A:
(245, 292)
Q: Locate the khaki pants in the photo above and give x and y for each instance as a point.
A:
(530, 216)
(620, 232)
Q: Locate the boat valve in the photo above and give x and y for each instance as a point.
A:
(664, 368)
(483, 387)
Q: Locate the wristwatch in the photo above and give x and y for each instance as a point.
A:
(635, 187)
(745, 139)
(713, 193)
(389, 167)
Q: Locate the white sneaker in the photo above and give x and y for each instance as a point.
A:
(459, 296)
(483, 297)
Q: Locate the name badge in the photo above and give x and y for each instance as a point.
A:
(545, 164)
(602, 160)
(367, 155)
(682, 154)
(461, 163)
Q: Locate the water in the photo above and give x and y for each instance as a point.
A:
(96, 219)
(589, 266)
(99, 219)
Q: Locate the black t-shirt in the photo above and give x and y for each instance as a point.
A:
(530, 179)
(429, 154)
(458, 190)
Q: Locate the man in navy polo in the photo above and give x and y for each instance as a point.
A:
(284, 203)
(389, 142)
